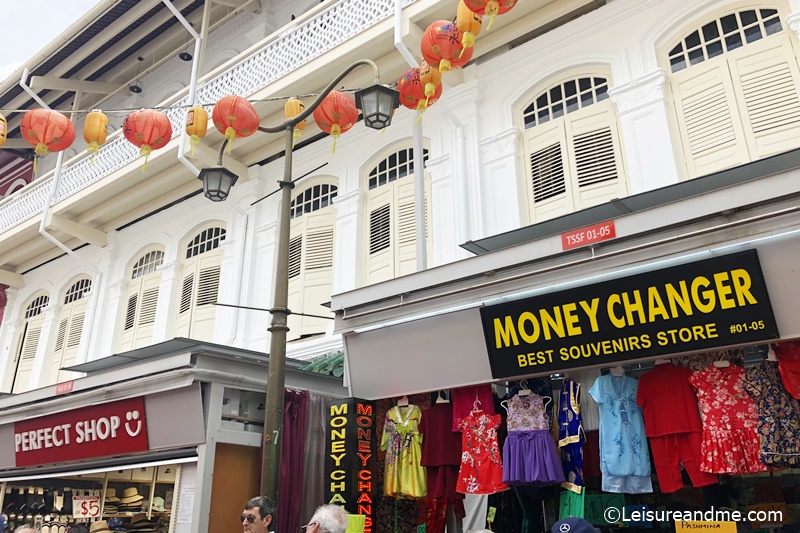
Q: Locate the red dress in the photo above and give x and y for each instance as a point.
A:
(730, 418)
(481, 469)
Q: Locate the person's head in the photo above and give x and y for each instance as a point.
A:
(25, 528)
(259, 515)
(328, 519)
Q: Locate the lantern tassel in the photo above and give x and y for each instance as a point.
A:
(145, 151)
(230, 134)
(194, 142)
(92, 148)
(35, 160)
(336, 130)
(296, 134)
(419, 117)
(467, 41)
(491, 20)
(491, 10)
(40, 150)
(445, 65)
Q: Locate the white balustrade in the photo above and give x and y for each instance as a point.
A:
(284, 52)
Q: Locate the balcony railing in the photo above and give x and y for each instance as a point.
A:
(283, 52)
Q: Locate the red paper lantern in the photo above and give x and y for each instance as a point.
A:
(149, 130)
(336, 114)
(412, 90)
(442, 47)
(235, 117)
(490, 7)
(47, 131)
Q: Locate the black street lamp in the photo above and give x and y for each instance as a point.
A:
(377, 104)
(217, 182)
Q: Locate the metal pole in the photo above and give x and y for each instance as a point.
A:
(273, 411)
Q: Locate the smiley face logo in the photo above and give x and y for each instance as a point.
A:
(131, 417)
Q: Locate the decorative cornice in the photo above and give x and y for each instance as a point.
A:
(793, 21)
(51, 311)
(348, 203)
(170, 270)
(500, 146)
(439, 168)
(467, 94)
(639, 92)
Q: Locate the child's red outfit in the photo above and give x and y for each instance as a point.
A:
(672, 423)
(730, 417)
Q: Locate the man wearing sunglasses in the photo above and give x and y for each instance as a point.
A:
(259, 515)
(327, 519)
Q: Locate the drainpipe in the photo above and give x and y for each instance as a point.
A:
(192, 81)
(418, 153)
(238, 285)
(97, 283)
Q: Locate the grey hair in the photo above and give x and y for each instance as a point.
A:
(330, 519)
(24, 527)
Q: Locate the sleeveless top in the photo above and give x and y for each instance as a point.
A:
(526, 413)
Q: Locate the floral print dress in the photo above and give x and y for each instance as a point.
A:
(404, 476)
(730, 441)
(778, 415)
(481, 469)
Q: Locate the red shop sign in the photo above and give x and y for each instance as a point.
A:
(588, 235)
(100, 430)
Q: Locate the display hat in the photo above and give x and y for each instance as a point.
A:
(101, 526)
(158, 504)
(111, 495)
(573, 525)
(131, 495)
(140, 523)
(116, 524)
(3, 523)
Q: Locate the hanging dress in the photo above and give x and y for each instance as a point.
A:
(529, 453)
(570, 434)
(778, 415)
(730, 441)
(404, 477)
(481, 471)
(624, 458)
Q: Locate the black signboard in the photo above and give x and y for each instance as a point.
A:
(351, 457)
(716, 302)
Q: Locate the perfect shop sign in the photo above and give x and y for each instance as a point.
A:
(97, 431)
(716, 302)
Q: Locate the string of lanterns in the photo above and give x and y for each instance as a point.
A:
(445, 46)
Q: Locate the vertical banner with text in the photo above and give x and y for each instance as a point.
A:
(351, 456)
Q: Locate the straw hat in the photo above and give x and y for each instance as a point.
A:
(130, 495)
(139, 522)
(101, 526)
(111, 495)
(158, 504)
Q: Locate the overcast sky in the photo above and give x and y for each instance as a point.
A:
(32, 24)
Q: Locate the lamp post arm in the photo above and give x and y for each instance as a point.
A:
(294, 121)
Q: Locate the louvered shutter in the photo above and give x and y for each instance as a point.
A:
(131, 304)
(77, 315)
(146, 312)
(708, 119)
(595, 156)
(380, 242)
(550, 192)
(27, 353)
(766, 78)
(185, 305)
(206, 291)
(317, 275)
(295, 299)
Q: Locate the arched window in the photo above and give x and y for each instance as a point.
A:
(572, 147)
(200, 284)
(27, 343)
(68, 335)
(734, 83)
(390, 224)
(311, 258)
(141, 301)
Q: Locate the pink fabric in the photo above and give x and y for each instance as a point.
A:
(464, 402)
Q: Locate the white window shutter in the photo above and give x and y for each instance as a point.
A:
(128, 325)
(204, 310)
(708, 119)
(766, 78)
(27, 353)
(595, 156)
(406, 224)
(146, 312)
(549, 190)
(77, 315)
(185, 305)
(380, 242)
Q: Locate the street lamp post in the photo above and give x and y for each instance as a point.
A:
(377, 104)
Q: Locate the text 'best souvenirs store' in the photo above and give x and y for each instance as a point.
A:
(661, 380)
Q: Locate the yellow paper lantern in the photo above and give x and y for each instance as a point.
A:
(3, 129)
(431, 79)
(196, 125)
(95, 131)
(291, 109)
(469, 24)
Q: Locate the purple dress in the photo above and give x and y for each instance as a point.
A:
(529, 453)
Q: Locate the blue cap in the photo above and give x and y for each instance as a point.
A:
(3, 522)
(573, 525)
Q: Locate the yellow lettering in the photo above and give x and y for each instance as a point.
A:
(338, 433)
(703, 300)
(741, 284)
(340, 410)
(507, 334)
(337, 459)
(591, 312)
(338, 475)
(552, 323)
(636, 306)
(571, 319)
(533, 336)
(338, 422)
(337, 498)
(337, 446)
(613, 300)
(655, 305)
(681, 300)
(522, 360)
(724, 290)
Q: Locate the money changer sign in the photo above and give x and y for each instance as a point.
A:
(716, 302)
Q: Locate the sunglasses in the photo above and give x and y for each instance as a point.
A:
(308, 525)
(249, 517)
